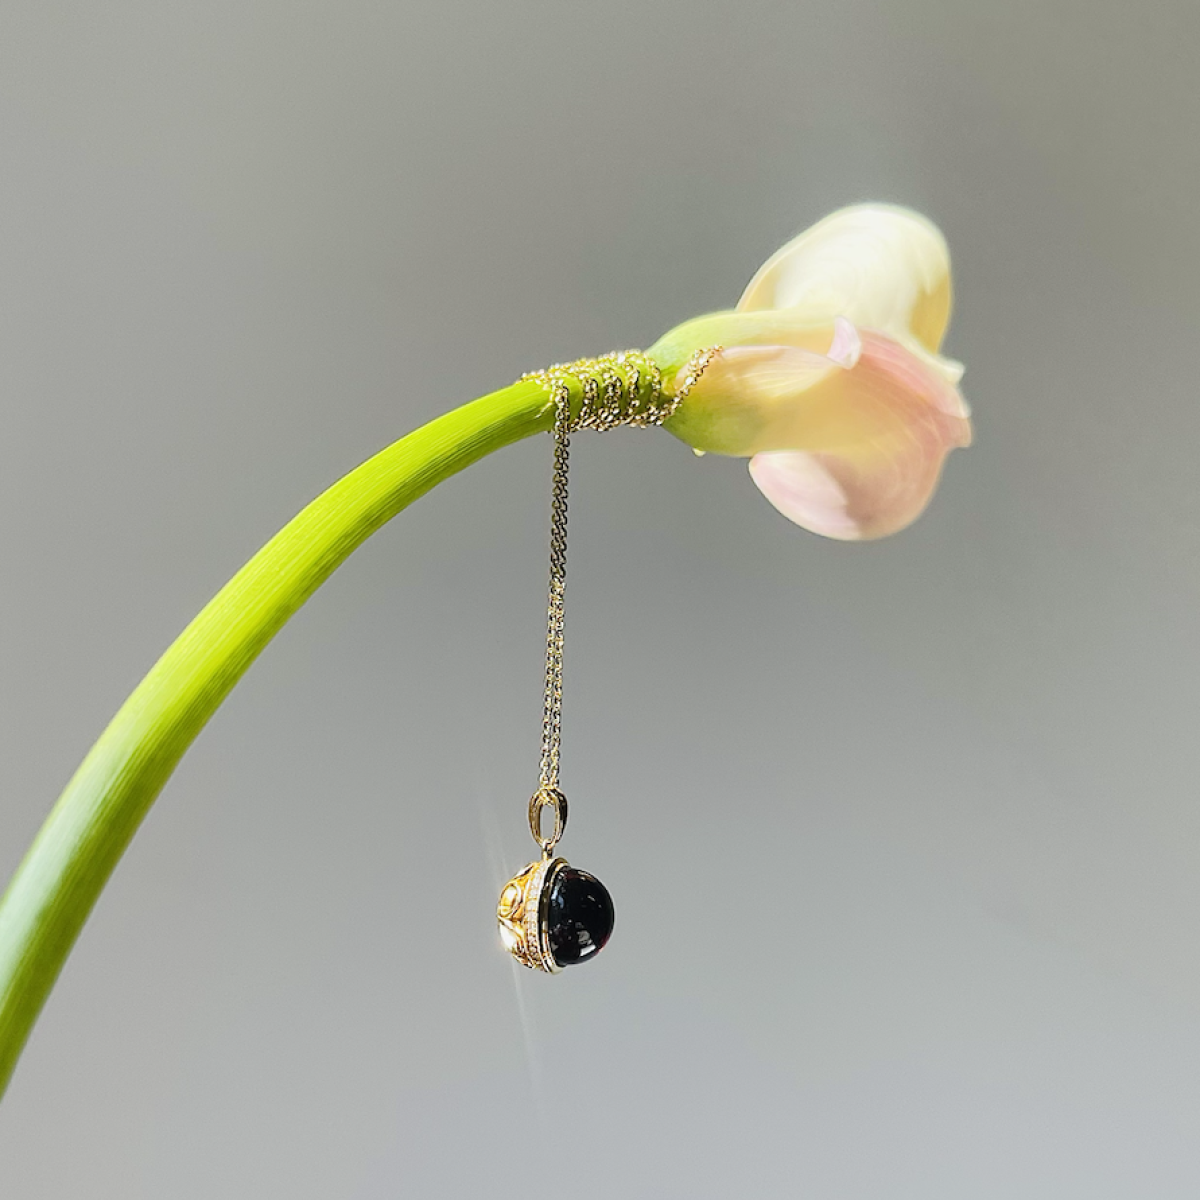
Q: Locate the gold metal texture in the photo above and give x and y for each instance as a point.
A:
(521, 914)
(547, 797)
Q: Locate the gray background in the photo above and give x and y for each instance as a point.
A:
(904, 837)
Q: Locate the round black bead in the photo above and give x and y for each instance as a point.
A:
(579, 916)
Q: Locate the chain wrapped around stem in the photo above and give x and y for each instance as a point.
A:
(623, 388)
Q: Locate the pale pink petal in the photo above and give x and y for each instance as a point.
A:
(846, 346)
(800, 485)
(899, 419)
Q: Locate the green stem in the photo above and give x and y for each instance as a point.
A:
(67, 866)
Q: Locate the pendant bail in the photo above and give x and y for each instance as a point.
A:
(547, 797)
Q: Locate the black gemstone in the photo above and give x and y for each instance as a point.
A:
(579, 916)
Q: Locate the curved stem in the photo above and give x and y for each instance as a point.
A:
(67, 866)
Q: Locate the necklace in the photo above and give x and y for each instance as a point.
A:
(552, 915)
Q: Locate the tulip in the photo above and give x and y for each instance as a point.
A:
(828, 376)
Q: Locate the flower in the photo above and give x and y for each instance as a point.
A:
(828, 375)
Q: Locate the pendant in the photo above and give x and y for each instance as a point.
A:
(551, 914)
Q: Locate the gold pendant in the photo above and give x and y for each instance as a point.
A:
(552, 915)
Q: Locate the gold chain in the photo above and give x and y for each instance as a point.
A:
(618, 389)
(556, 608)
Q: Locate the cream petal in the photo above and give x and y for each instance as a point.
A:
(879, 265)
(766, 375)
(751, 398)
(879, 473)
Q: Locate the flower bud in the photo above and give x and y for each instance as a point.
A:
(827, 374)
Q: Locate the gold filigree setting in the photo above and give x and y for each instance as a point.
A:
(521, 915)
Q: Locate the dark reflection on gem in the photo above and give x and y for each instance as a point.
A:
(579, 916)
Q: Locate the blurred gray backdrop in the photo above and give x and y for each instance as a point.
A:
(904, 838)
